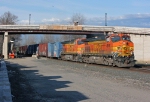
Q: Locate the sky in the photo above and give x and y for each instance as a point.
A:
(134, 13)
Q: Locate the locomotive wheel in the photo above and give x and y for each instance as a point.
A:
(105, 62)
(120, 64)
(75, 58)
(87, 61)
(80, 60)
(114, 64)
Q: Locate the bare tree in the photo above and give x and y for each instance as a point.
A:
(46, 38)
(65, 37)
(79, 18)
(76, 19)
(57, 38)
(30, 39)
(6, 19)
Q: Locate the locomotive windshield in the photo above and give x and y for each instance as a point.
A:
(115, 38)
(126, 38)
(80, 42)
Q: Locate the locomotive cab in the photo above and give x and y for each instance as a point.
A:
(80, 46)
(122, 45)
(116, 50)
(122, 50)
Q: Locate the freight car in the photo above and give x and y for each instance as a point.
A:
(22, 49)
(31, 49)
(26, 50)
(54, 50)
(116, 50)
(43, 49)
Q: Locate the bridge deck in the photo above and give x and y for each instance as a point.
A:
(70, 29)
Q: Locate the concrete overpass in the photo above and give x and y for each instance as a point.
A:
(69, 29)
(79, 29)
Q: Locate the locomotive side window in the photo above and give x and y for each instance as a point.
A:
(80, 42)
(115, 38)
(108, 39)
(126, 38)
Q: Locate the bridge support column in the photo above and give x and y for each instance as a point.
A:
(5, 45)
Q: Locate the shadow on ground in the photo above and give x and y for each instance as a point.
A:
(142, 65)
(40, 88)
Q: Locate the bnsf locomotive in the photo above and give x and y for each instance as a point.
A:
(114, 50)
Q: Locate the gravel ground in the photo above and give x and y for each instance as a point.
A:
(21, 90)
(61, 81)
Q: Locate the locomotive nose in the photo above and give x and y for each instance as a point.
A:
(125, 43)
(126, 50)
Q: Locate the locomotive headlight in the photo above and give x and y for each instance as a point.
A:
(132, 52)
(118, 48)
(124, 43)
(125, 48)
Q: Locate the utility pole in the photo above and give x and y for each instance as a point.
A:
(105, 19)
(29, 18)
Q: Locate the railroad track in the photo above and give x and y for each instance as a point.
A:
(143, 69)
(138, 68)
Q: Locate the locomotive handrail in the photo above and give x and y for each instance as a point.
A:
(19, 27)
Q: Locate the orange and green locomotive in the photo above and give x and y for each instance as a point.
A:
(115, 50)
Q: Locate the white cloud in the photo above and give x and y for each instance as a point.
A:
(55, 21)
(67, 19)
(134, 20)
(26, 22)
(129, 16)
(51, 20)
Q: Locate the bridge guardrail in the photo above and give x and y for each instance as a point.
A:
(98, 28)
(116, 29)
(19, 26)
(60, 27)
(132, 30)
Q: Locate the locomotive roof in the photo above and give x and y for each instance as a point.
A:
(68, 42)
(94, 39)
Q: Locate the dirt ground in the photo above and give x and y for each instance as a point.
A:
(20, 87)
(48, 80)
